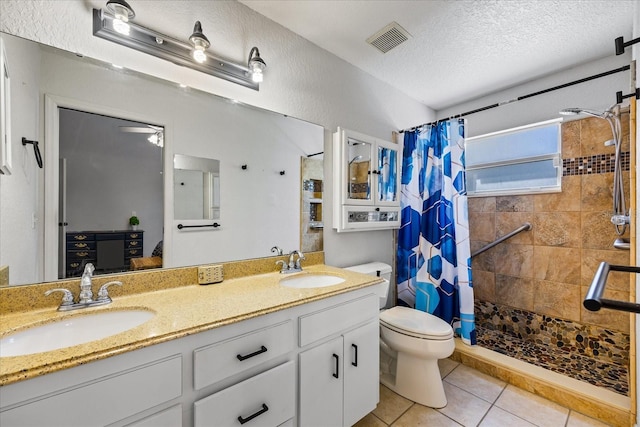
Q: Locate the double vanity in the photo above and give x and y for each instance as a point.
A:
(260, 348)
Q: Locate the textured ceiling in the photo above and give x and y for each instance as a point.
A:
(463, 49)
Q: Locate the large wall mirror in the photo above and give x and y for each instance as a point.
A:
(256, 190)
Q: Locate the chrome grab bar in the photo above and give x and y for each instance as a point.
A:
(524, 227)
(594, 301)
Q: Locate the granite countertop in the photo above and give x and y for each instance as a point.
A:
(179, 312)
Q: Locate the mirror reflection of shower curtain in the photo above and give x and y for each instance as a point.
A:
(434, 256)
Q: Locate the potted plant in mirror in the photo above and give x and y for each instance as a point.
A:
(134, 222)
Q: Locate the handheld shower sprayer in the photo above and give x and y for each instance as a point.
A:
(620, 217)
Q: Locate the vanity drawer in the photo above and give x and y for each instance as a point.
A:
(104, 400)
(333, 320)
(131, 235)
(80, 237)
(81, 254)
(79, 245)
(264, 400)
(132, 253)
(133, 244)
(226, 358)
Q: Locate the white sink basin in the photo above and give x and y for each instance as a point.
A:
(70, 331)
(311, 281)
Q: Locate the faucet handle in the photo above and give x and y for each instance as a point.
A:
(103, 293)
(301, 257)
(284, 266)
(67, 298)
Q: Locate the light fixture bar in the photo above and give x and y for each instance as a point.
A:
(167, 48)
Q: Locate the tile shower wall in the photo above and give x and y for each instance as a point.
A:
(548, 270)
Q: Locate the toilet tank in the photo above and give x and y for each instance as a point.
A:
(379, 269)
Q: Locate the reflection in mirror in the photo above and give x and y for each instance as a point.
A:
(359, 156)
(109, 170)
(196, 187)
(312, 191)
(262, 206)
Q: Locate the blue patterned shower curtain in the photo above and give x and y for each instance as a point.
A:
(434, 257)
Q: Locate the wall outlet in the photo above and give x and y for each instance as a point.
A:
(210, 274)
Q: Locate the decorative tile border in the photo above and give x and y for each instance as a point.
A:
(588, 353)
(598, 163)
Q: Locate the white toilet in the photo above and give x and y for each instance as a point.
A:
(411, 342)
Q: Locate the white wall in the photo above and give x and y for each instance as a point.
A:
(301, 80)
(597, 94)
(19, 201)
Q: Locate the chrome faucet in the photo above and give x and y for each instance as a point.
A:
(294, 264)
(85, 298)
(86, 294)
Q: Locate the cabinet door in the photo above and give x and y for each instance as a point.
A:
(361, 371)
(387, 173)
(321, 376)
(358, 160)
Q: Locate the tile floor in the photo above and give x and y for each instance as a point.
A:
(474, 399)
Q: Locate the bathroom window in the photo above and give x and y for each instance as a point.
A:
(522, 160)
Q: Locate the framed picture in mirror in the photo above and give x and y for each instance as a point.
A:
(5, 113)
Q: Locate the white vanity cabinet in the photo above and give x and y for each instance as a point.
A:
(339, 376)
(241, 374)
(366, 182)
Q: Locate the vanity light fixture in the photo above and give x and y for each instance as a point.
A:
(200, 43)
(177, 51)
(122, 13)
(256, 65)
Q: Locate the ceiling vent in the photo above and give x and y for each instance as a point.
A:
(389, 37)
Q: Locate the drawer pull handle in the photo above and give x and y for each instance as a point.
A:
(80, 245)
(264, 409)
(355, 362)
(263, 349)
(336, 374)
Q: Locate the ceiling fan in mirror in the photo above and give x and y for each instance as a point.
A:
(156, 133)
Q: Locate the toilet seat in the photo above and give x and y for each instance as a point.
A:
(416, 323)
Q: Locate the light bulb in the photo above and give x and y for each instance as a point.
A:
(121, 26)
(257, 76)
(256, 65)
(199, 55)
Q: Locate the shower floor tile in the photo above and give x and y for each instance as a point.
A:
(608, 375)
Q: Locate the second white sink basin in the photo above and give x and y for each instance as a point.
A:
(311, 281)
(71, 331)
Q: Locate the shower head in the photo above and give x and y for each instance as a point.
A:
(355, 158)
(576, 111)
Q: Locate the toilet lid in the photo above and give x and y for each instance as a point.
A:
(416, 322)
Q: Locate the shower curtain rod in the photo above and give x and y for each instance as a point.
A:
(520, 98)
